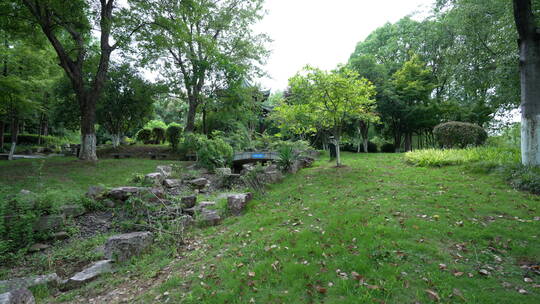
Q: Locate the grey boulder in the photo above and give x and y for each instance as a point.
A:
(49, 222)
(124, 246)
(237, 203)
(172, 183)
(72, 210)
(27, 282)
(18, 296)
(188, 201)
(199, 183)
(87, 275)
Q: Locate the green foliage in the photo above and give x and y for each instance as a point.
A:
(287, 157)
(33, 139)
(158, 135)
(173, 134)
(456, 134)
(155, 124)
(388, 148)
(214, 153)
(254, 179)
(526, 178)
(144, 135)
(126, 103)
(447, 157)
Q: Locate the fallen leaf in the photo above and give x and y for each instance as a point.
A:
(456, 292)
(522, 291)
(251, 274)
(357, 276)
(320, 289)
(443, 266)
(433, 295)
(458, 274)
(483, 272)
(373, 287)
(527, 280)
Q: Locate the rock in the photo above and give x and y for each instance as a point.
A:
(246, 168)
(209, 217)
(165, 171)
(189, 201)
(223, 171)
(272, 176)
(206, 204)
(18, 296)
(199, 183)
(25, 192)
(49, 279)
(109, 203)
(95, 192)
(172, 183)
(49, 222)
(155, 178)
(199, 207)
(87, 275)
(123, 193)
(72, 210)
(124, 246)
(237, 203)
(271, 168)
(187, 220)
(38, 247)
(58, 236)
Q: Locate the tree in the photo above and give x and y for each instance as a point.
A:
(529, 49)
(331, 99)
(126, 104)
(68, 26)
(196, 42)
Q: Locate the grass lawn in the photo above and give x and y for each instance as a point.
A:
(68, 177)
(377, 231)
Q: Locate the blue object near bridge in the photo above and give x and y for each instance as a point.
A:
(258, 155)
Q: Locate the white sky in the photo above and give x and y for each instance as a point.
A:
(323, 33)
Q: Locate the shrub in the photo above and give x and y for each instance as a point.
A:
(214, 153)
(524, 178)
(372, 147)
(192, 143)
(287, 157)
(456, 134)
(158, 135)
(144, 136)
(388, 148)
(33, 139)
(439, 158)
(174, 131)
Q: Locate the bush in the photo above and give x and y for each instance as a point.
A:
(287, 157)
(174, 131)
(388, 148)
(214, 153)
(456, 134)
(439, 158)
(372, 147)
(524, 178)
(33, 139)
(158, 135)
(144, 136)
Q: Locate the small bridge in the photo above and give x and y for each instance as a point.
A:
(254, 157)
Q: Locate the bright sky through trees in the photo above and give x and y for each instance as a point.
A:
(323, 33)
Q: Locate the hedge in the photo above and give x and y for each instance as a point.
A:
(455, 134)
(33, 139)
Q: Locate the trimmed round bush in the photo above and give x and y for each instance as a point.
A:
(145, 136)
(173, 134)
(214, 153)
(158, 135)
(388, 148)
(455, 134)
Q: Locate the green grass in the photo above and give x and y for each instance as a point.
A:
(309, 236)
(449, 157)
(68, 178)
(390, 223)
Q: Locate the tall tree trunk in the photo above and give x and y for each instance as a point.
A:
(115, 138)
(14, 135)
(529, 53)
(364, 132)
(2, 131)
(88, 132)
(338, 152)
(192, 111)
(397, 141)
(408, 142)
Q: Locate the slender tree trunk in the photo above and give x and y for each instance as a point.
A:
(529, 62)
(338, 152)
(397, 141)
(408, 142)
(115, 138)
(364, 131)
(192, 111)
(14, 135)
(2, 131)
(88, 132)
